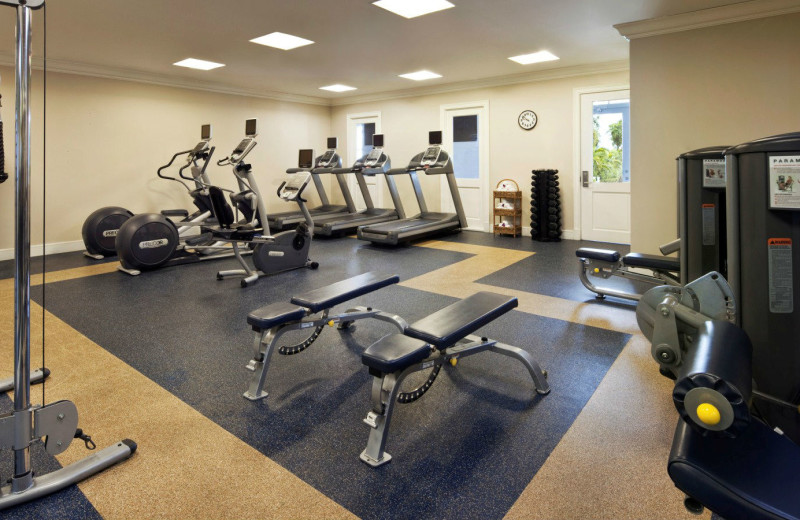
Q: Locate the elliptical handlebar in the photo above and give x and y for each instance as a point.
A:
(205, 155)
(170, 164)
(225, 161)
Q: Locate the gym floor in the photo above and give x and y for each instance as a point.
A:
(160, 359)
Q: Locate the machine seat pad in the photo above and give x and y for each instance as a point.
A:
(445, 327)
(395, 352)
(605, 255)
(340, 292)
(274, 314)
(751, 476)
(660, 263)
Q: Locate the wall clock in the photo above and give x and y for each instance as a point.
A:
(527, 119)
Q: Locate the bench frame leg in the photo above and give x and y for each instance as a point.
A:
(609, 269)
(386, 388)
(265, 341)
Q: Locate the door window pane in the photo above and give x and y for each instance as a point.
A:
(364, 133)
(611, 135)
(466, 160)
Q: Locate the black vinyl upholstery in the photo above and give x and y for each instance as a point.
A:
(446, 326)
(753, 476)
(660, 263)
(395, 352)
(340, 292)
(606, 255)
(274, 314)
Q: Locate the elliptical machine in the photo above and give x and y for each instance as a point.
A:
(271, 254)
(100, 229)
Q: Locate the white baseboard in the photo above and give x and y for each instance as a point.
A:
(52, 249)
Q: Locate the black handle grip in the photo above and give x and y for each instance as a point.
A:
(3, 174)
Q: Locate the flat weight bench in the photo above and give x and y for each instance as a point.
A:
(445, 335)
(605, 263)
(273, 321)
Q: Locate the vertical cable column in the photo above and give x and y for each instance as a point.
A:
(22, 253)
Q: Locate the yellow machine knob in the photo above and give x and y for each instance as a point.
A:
(331, 323)
(708, 414)
(596, 269)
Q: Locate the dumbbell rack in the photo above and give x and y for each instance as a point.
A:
(545, 206)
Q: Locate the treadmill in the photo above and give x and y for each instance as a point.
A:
(376, 162)
(324, 164)
(433, 161)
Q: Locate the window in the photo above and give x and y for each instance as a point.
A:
(611, 156)
(364, 133)
(466, 152)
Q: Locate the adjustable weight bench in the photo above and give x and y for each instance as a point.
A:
(445, 335)
(273, 321)
(605, 263)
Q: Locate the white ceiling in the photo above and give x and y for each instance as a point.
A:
(356, 43)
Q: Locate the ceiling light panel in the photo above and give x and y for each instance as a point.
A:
(536, 57)
(282, 41)
(421, 75)
(337, 88)
(193, 63)
(413, 8)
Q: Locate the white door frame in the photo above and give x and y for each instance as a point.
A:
(352, 121)
(483, 140)
(576, 148)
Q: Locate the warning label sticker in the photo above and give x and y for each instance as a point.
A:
(713, 173)
(781, 298)
(784, 173)
(709, 228)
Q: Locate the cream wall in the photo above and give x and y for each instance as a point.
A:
(514, 152)
(720, 85)
(106, 139)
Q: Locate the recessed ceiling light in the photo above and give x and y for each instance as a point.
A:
(536, 57)
(281, 40)
(421, 75)
(413, 8)
(337, 88)
(193, 63)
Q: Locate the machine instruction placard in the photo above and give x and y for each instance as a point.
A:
(784, 172)
(709, 227)
(713, 173)
(781, 297)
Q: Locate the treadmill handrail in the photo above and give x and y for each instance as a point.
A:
(400, 171)
(439, 171)
(341, 170)
(324, 170)
(298, 170)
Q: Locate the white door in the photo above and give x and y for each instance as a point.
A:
(360, 129)
(605, 175)
(466, 139)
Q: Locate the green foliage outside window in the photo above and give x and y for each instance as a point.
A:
(608, 163)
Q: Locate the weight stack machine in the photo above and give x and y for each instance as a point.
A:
(545, 206)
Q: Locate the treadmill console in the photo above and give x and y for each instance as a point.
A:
(373, 158)
(292, 188)
(242, 149)
(327, 160)
(431, 156)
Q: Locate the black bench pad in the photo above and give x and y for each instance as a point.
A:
(661, 263)
(606, 255)
(752, 476)
(446, 326)
(274, 314)
(395, 352)
(340, 292)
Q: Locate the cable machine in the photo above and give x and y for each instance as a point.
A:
(56, 423)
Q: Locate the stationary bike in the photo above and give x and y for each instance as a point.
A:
(271, 254)
(100, 229)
